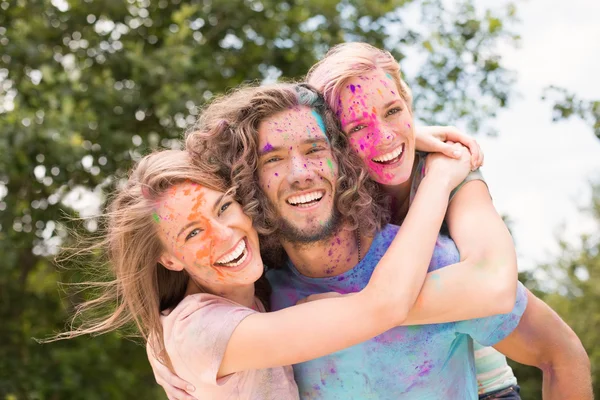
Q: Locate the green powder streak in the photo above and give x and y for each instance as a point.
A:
(330, 166)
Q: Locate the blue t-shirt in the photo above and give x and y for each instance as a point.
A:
(413, 362)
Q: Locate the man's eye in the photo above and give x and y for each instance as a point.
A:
(272, 159)
(394, 110)
(357, 128)
(224, 207)
(193, 233)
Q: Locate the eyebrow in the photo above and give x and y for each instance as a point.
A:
(215, 206)
(388, 104)
(314, 141)
(271, 149)
(274, 149)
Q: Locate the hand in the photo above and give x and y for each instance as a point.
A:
(451, 171)
(175, 387)
(320, 296)
(432, 140)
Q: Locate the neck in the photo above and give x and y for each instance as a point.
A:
(400, 195)
(241, 294)
(329, 257)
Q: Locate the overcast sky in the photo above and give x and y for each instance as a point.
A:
(539, 171)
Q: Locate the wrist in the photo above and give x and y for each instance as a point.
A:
(439, 180)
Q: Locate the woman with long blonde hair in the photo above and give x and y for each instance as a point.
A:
(187, 272)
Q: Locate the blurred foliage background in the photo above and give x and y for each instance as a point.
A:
(88, 86)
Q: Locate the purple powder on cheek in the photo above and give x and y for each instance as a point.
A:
(352, 88)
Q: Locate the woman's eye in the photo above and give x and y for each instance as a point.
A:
(357, 128)
(224, 207)
(394, 110)
(193, 233)
(314, 150)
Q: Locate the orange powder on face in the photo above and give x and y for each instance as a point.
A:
(195, 214)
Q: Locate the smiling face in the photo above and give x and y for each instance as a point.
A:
(379, 126)
(297, 173)
(208, 235)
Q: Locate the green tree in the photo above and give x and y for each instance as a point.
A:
(88, 86)
(567, 104)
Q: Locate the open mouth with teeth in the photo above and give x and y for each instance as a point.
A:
(306, 200)
(391, 157)
(235, 257)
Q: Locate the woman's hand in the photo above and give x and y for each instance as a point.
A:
(434, 139)
(451, 171)
(175, 387)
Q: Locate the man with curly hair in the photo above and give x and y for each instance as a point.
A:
(294, 173)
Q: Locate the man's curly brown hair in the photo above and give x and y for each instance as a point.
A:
(225, 139)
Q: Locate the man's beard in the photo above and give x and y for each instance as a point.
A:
(292, 234)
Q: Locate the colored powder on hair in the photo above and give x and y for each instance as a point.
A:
(319, 121)
(156, 217)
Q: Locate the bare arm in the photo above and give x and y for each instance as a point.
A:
(542, 339)
(484, 282)
(312, 330)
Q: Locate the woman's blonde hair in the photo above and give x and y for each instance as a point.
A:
(348, 60)
(138, 286)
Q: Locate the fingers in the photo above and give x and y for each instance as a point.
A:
(177, 389)
(180, 384)
(177, 394)
(476, 153)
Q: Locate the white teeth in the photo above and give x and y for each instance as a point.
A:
(235, 253)
(305, 198)
(239, 262)
(389, 156)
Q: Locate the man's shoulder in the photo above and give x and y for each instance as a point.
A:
(384, 237)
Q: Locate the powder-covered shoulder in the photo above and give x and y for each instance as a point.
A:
(203, 302)
(196, 334)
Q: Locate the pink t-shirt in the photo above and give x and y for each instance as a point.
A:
(196, 334)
